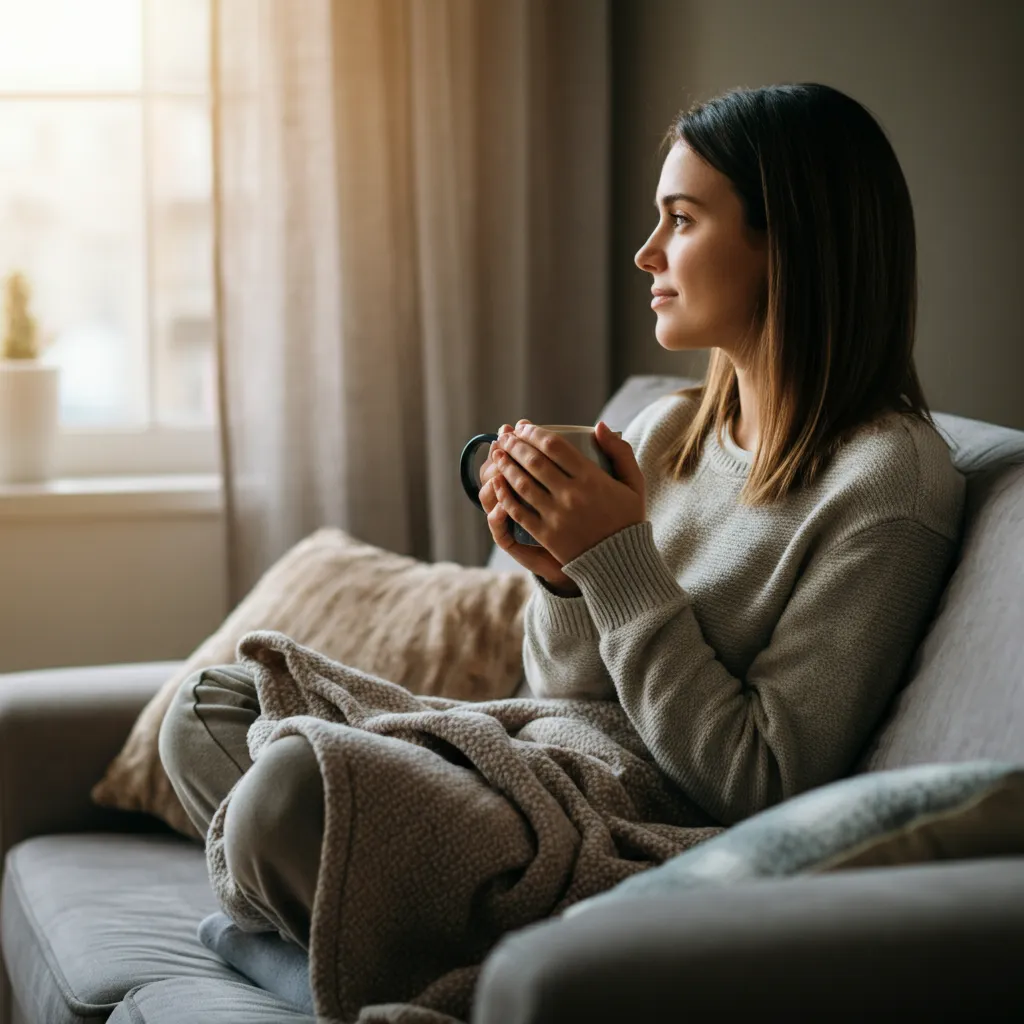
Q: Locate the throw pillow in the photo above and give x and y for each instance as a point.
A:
(436, 628)
(264, 958)
(902, 816)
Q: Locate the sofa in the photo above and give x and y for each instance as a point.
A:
(100, 908)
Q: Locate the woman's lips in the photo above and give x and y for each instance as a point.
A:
(660, 300)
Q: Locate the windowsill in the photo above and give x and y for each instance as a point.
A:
(114, 497)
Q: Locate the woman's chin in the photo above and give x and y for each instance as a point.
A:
(672, 341)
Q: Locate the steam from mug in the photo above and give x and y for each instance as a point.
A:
(472, 485)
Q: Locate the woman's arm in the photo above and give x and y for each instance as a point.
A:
(809, 699)
(561, 652)
(561, 646)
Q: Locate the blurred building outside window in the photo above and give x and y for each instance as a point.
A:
(106, 205)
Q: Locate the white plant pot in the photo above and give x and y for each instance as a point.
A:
(29, 418)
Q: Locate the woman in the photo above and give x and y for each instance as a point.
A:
(752, 586)
(752, 582)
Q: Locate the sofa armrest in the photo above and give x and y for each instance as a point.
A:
(59, 729)
(932, 942)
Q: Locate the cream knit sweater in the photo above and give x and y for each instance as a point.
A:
(754, 649)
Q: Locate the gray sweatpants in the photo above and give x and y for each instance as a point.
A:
(275, 822)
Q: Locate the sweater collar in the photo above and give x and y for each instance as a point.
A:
(729, 458)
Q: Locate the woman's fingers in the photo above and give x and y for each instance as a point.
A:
(487, 470)
(487, 473)
(519, 509)
(506, 428)
(540, 465)
(498, 521)
(536, 559)
(509, 474)
(487, 496)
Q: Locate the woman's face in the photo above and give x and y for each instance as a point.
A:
(708, 268)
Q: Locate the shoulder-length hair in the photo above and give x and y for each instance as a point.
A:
(835, 331)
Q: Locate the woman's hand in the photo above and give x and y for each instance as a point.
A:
(564, 500)
(489, 468)
(535, 559)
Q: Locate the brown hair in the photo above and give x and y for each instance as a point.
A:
(835, 330)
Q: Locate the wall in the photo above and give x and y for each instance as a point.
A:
(93, 588)
(946, 80)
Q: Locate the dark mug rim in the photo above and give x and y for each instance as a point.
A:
(470, 486)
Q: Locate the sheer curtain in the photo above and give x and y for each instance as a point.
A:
(413, 210)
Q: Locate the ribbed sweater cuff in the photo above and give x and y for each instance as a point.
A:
(563, 614)
(623, 577)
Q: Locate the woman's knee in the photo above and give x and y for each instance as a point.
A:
(180, 729)
(277, 808)
(273, 832)
(202, 740)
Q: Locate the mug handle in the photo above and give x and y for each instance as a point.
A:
(469, 485)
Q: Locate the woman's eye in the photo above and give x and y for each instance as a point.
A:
(679, 219)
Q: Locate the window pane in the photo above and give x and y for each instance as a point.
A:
(71, 206)
(55, 45)
(182, 251)
(178, 45)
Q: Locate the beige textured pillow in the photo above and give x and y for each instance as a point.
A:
(436, 628)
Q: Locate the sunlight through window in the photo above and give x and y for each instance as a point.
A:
(105, 199)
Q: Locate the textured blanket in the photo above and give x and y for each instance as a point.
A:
(447, 825)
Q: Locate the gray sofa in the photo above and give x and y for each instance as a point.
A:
(99, 909)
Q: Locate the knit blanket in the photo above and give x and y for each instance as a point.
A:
(447, 825)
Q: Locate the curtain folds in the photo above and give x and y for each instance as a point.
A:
(413, 225)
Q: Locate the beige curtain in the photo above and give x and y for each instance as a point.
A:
(413, 231)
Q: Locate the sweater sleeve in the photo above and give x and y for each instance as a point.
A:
(561, 652)
(809, 699)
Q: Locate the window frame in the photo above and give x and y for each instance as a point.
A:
(151, 448)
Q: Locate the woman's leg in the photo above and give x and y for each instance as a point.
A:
(202, 738)
(275, 821)
(273, 832)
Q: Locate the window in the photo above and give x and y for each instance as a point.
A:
(106, 205)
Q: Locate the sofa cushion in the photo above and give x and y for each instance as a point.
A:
(979, 447)
(87, 917)
(911, 815)
(204, 1001)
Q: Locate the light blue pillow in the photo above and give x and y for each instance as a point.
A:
(902, 816)
(264, 958)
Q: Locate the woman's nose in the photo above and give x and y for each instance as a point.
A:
(649, 257)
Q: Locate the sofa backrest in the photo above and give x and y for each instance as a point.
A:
(964, 695)
(964, 692)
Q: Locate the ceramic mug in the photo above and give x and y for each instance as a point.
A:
(580, 437)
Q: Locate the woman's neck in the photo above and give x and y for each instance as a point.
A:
(746, 429)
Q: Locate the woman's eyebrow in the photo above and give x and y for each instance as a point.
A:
(676, 197)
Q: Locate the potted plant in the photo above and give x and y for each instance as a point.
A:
(29, 392)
